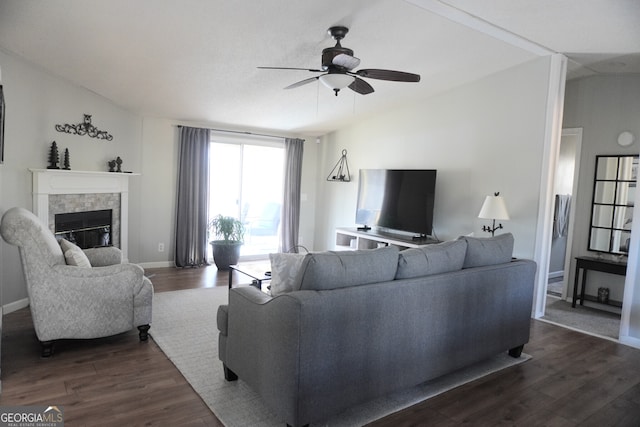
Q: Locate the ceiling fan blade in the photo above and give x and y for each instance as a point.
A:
(292, 68)
(361, 87)
(396, 76)
(346, 61)
(302, 82)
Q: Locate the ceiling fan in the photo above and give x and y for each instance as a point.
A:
(338, 63)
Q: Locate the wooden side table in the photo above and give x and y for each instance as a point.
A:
(586, 263)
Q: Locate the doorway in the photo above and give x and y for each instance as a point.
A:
(559, 293)
(565, 186)
(246, 182)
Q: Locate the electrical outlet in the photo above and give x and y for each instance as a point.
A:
(160, 247)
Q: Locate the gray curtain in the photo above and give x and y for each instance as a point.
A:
(192, 198)
(293, 148)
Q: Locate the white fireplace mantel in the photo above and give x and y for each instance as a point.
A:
(58, 181)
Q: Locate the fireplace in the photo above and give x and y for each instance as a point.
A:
(79, 205)
(87, 229)
(57, 191)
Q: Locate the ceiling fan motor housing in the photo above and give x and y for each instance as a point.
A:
(331, 52)
(337, 33)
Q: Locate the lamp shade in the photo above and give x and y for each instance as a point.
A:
(336, 80)
(493, 208)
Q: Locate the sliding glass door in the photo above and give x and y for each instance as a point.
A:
(246, 183)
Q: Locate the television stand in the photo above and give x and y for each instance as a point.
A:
(364, 228)
(348, 238)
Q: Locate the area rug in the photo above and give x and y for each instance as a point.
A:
(184, 326)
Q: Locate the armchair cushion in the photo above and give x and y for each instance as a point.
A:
(73, 255)
(77, 258)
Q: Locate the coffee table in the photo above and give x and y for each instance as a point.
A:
(257, 273)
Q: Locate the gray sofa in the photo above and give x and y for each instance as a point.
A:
(342, 328)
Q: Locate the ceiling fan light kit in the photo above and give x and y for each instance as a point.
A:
(338, 63)
(336, 82)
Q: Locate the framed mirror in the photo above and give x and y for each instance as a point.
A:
(613, 203)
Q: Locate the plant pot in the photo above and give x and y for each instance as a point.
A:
(225, 253)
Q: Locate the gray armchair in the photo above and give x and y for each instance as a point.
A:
(74, 302)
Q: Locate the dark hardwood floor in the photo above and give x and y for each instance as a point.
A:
(573, 379)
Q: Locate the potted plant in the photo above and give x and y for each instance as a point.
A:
(228, 237)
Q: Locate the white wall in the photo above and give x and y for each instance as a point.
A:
(35, 103)
(482, 137)
(158, 189)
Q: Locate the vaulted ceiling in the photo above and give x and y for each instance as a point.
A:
(196, 60)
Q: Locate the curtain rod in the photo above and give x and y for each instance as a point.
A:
(244, 132)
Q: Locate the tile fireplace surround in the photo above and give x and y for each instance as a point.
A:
(53, 189)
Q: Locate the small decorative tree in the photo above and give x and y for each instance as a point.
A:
(66, 165)
(54, 157)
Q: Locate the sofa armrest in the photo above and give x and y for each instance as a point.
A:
(222, 319)
(253, 295)
(134, 273)
(262, 343)
(100, 257)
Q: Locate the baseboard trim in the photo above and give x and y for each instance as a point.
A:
(15, 306)
(630, 341)
(604, 337)
(157, 264)
(555, 274)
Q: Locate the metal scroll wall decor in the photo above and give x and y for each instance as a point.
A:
(85, 128)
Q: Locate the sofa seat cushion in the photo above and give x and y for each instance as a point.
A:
(432, 259)
(488, 250)
(341, 269)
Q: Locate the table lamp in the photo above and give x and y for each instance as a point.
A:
(493, 208)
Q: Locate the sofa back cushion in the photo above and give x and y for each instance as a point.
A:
(432, 259)
(341, 269)
(488, 250)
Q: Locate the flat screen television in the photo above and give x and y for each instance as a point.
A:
(397, 199)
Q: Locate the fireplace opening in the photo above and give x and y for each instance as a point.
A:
(88, 229)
